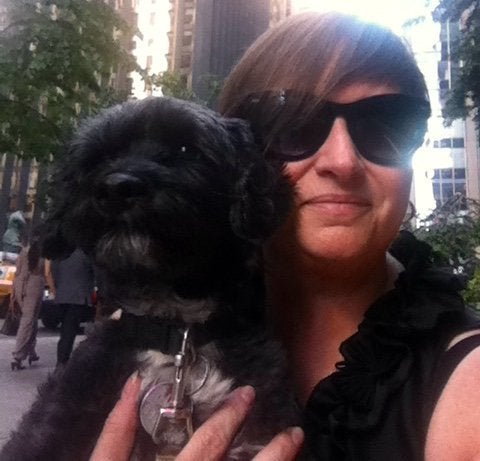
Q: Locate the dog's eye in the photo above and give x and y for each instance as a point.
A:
(187, 152)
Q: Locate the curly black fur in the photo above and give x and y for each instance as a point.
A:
(172, 201)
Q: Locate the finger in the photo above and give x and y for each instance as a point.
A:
(211, 440)
(284, 446)
(118, 434)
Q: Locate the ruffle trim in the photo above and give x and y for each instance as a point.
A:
(378, 358)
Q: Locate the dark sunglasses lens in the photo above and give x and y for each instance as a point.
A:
(298, 143)
(388, 135)
(381, 144)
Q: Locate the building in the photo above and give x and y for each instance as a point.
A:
(448, 163)
(208, 36)
(150, 45)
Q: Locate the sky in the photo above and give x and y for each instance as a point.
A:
(392, 13)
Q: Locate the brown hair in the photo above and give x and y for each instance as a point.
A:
(319, 53)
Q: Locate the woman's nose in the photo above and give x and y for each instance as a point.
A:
(338, 154)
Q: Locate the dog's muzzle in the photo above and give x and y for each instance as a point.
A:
(118, 192)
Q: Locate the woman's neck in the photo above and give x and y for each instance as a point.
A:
(313, 310)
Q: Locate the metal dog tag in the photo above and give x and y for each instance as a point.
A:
(170, 428)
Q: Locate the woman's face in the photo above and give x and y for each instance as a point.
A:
(345, 206)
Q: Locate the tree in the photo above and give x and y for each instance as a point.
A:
(173, 84)
(57, 60)
(464, 98)
(453, 231)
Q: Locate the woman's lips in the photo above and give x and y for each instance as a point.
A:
(337, 205)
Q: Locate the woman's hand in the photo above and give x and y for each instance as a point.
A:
(210, 442)
(118, 435)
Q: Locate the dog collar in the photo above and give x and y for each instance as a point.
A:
(165, 335)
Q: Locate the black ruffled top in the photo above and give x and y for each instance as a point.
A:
(377, 404)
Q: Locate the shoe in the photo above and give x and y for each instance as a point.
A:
(33, 358)
(17, 365)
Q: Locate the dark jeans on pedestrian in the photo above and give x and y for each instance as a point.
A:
(68, 331)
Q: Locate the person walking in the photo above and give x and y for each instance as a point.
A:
(73, 285)
(27, 291)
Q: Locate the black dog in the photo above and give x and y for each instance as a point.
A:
(173, 202)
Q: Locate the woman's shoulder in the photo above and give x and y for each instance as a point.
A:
(454, 429)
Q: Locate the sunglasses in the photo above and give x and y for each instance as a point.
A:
(385, 129)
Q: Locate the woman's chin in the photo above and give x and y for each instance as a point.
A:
(338, 243)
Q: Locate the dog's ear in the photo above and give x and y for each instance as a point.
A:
(262, 196)
(263, 199)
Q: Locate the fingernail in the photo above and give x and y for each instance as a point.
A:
(296, 434)
(245, 393)
(132, 385)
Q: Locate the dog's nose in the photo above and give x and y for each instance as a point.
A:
(118, 190)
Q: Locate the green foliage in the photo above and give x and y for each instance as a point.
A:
(464, 97)
(174, 85)
(57, 60)
(453, 231)
(472, 293)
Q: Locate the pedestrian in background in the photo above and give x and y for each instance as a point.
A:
(13, 236)
(72, 288)
(27, 291)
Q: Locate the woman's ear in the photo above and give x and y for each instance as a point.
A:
(262, 200)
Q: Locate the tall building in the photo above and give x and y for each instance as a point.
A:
(448, 163)
(150, 45)
(208, 37)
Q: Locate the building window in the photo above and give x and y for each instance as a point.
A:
(448, 182)
(185, 60)
(446, 173)
(449, 142)
(444, 51)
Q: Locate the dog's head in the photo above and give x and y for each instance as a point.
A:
(165, 194)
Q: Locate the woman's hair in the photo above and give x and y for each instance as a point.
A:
(35, 250)
(319, 53)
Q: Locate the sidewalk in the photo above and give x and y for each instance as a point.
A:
(18, 388)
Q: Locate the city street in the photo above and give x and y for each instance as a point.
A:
(18, 388)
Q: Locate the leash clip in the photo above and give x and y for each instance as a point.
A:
(169, 408)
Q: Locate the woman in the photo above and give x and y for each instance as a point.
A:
(27, 291)
(383, 354)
